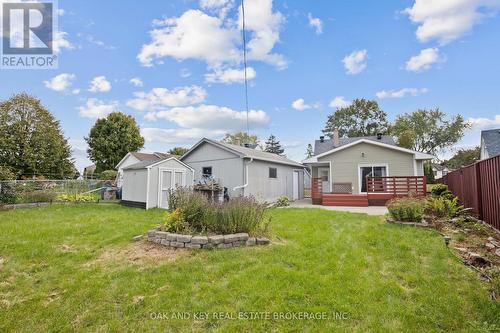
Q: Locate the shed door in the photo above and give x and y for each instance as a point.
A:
(295, 185)
(169, 180)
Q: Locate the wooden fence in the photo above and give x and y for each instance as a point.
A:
(478, 187)
(392, 187)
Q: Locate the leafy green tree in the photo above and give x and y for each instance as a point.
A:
(112, 138)
(428, 130)
(273, 146)
(179, 151)
(309, 151)
(240, 138)
(463, 157)
(428, 173)
(31, 140)
(6, 174)
(108, 175)
(361, 118)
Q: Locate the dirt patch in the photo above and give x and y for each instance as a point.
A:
(139, 253)
(65, 248)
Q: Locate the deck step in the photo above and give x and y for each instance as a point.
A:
(357, 200)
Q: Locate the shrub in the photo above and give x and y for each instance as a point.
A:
(406, 209)
(6, 173)
(78, 197)
(108, 175)
(442, 206)
(192, 212)
(38, 196)
(10, 193)
(282, 201)
(438, 189)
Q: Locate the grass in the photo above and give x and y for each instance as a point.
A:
(74, 268)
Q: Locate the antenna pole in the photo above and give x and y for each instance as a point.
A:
(245, 60)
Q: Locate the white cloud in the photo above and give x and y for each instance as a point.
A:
(95, 108)
(212, 117)
(61, 42)
(178, 135)
(424, 60)
(216, 40)
(229, 76)
(401, 92)
(75, 91)
(355, 62)
(184, 73)
(61, 12)
(160, 98)
(60, 82)
(339, 102)
(301, 105)
(448, 20)
(136, 82)
(315, 23)
(100, 84)
(221, 7)
(485, 123)
(91, 39)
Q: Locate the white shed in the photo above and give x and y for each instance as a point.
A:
(146, 184)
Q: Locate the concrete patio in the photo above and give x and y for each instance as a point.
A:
(370, 210)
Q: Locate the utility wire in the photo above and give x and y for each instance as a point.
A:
(245, 60)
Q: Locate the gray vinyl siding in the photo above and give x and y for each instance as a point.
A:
(345, 162)
(134, 185)
(226, 166)
(154, 179)
(420, 168)
(128, 162)
(269, 189)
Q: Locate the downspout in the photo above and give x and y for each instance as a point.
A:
(246, 176)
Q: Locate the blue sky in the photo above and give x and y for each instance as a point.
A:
(176, 66)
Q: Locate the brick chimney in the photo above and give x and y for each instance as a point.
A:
(335, 137)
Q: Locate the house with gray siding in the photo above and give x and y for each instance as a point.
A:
(245, 171)
(348, 170)
(490, 143)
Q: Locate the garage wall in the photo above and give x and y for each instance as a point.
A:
(269, 189)
(226, 166)
(134, 185)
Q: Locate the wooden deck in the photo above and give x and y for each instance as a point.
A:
(379, 190)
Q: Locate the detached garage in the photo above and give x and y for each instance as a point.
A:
(146, 184)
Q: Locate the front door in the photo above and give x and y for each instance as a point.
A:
(169, 180)
(324, 174)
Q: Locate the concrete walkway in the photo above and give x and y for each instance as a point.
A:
(371, 210)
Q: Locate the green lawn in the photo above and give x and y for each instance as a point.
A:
(74, 268)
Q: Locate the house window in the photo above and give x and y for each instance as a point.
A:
(371, 171)
(273, 173)
(206, 171)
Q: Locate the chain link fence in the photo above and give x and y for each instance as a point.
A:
(36, 191)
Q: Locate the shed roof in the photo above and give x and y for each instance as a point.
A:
(146, 164)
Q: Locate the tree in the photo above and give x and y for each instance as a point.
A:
(240, 138)
(112, 138)
(428, 131)
(309, 151)
(31, 140)
(361, 118)
(429, 173)
(273, 146)
(179, 151)
(463, 157)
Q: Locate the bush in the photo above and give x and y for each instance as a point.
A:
(108, 175)
(192, 212)
(438, 189)
(6, 174)
(10, 193)
(38, 196)
(406, 209)
(442, 206)
(78, 197)
(282, 201)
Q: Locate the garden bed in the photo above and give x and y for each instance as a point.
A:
(173, 240)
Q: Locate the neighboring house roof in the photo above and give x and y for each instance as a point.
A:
(89, 169)
(151, 163)
(438, 167)
(491, 141)
(244, 152)
(418, 155)
(145, 157)
(327, 144)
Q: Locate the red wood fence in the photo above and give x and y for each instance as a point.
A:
(478, 187)
(392, 187)
(316, 191)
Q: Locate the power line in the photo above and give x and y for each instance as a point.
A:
(245, 60)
